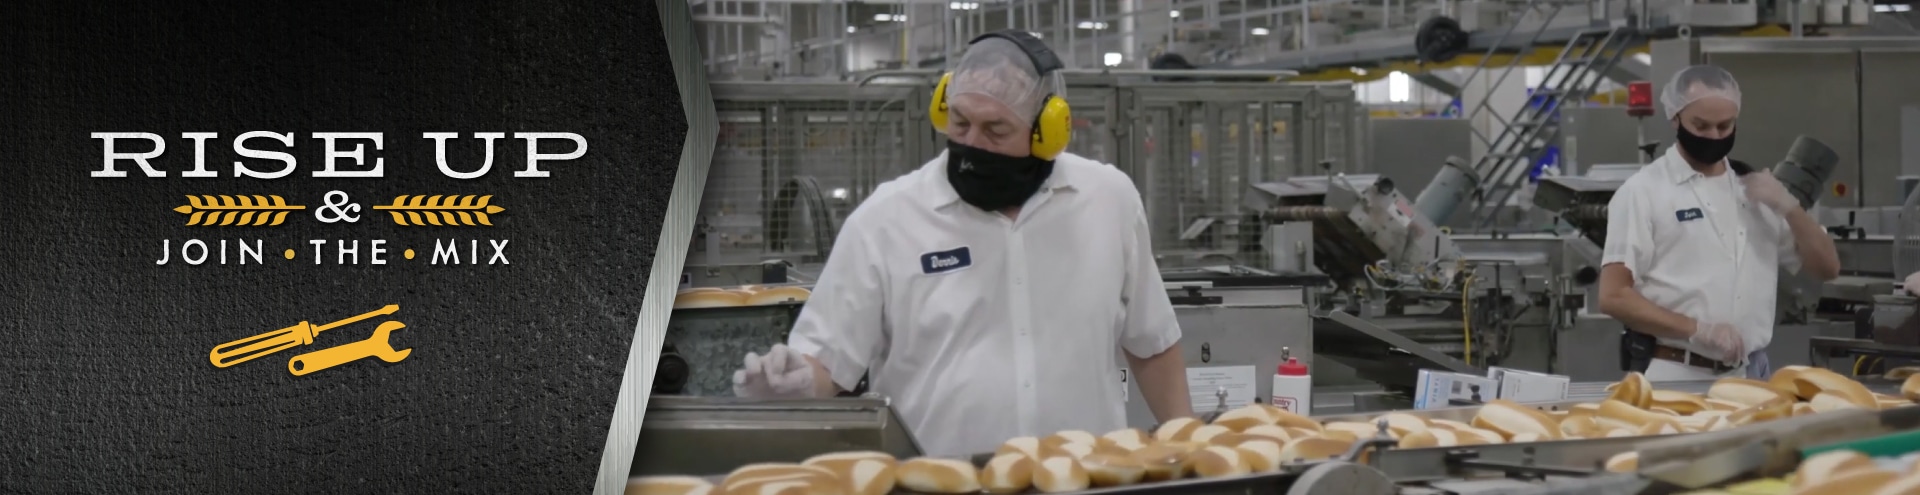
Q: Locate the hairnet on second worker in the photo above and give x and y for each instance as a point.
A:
(998, 69)
(1697, 83)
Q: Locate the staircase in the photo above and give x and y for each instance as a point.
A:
(1525, 134)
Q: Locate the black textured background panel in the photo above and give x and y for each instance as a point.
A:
(107, 386)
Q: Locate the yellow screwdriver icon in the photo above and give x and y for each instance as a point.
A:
(243, 350)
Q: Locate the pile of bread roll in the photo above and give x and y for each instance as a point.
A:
(1260, 438)
(749, 295)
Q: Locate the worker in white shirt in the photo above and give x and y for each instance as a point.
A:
(992, 292)
(1694, 247)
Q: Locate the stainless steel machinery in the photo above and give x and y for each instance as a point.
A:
(713, 435)
(1234, 325)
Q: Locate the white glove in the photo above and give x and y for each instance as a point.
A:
(1913, 284)
(1763, 188)
(1722, 341)
(781, 374)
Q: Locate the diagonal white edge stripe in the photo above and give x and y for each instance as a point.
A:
(670, 256)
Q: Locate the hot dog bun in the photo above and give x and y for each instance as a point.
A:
(864, 473)
(1007, 473)
(1060, 474)
(1206, 433)
(1827, 381)
(1680, 403)
(694, 299)
(771, 469)
(1105, 470)
(1028, 446)
(1826, 465)
(778, 295)
(939, 476)
(1218, 462)
(1431, 438)
(1243, 418)
(1270, 431)
(1911, 388)
(1069, 436)
(1130, 439)
(1908, 485)
(1162, 462)
(1624, 462)
(1509, 419)
(1857, 481)
(1262, 454)
(1829, 401)
(1177, 430)
(1746, 392)
(668, 485)
(1402, 424)
(1313, 449)
(1634, 390)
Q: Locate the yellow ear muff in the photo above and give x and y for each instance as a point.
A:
(937, 111)
(1052, 130)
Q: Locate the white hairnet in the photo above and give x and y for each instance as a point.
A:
(998, 69)
(1697, 83)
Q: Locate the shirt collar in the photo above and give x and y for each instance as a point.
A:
(1677, 169)
(938, 193)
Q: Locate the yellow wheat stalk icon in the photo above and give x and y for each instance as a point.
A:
(451, 209)
(240, 210)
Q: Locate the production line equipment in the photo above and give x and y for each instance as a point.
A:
(1402, 295)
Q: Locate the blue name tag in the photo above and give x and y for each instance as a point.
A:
(945, 261)
(1689, 214)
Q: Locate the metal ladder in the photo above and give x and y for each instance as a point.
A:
(1572, 77)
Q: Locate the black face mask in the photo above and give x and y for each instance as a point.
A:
(1702, 149)
(992, 181)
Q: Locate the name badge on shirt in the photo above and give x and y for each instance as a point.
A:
(1689, 214)
(945, 261)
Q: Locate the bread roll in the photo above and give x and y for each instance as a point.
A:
(768, 469)
(1219, 462)
(1130, 439)
(1206, 433)
(1180, 429)
(1028, 446)
(1070, 436)
(709, 299)
(1235, 439)
(668, 485)
(1911, 388)
(1313, 449)
(1721, 405)
(1450, 424)
(1270, 431)
(1826, 465)
(1786, 380)
(1509, 419)
(1829, 401)
(1007, 473)
(1680, 403)
(1287, 419)
(1262, 454)
(1801, 409)
(1829, 382)
(1060, 474)
(1476, 436)
(1857, 481)
(1188, 447)
(1430, 438)
(1162, 462)
(1762, 413)
(1295, 433)
(1901, 373)
(1107, 470)
(939, 476)
(1243, 418)
(1402, 424)
(1358, 430)
(778, 295)
(1624, 462)
(1528, 438)
(1581, 427)
(864, 473)
(1662, 427)
(1341, 435)
(1907, 485)
(1621, 433)
(1069, 450)
(1745, 392)
(808, 482)
(1634, 390)
(1618, 414)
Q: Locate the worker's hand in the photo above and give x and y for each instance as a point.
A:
(1913, 284)
(1763, 188)
(1721, 341)
(781, 374)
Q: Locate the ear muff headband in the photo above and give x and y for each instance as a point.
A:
(1053, 127)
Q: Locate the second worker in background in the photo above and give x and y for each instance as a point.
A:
(992, 292)
(1694, 247)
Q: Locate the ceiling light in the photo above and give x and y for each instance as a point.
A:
(1259, 31)
(1096, 26)
(1112, 59)
(1175, 14)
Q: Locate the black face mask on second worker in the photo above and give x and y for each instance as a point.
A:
(1703, 149)
(992, 181)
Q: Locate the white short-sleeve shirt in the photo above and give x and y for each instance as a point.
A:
(983, 328)
(1698, 247)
